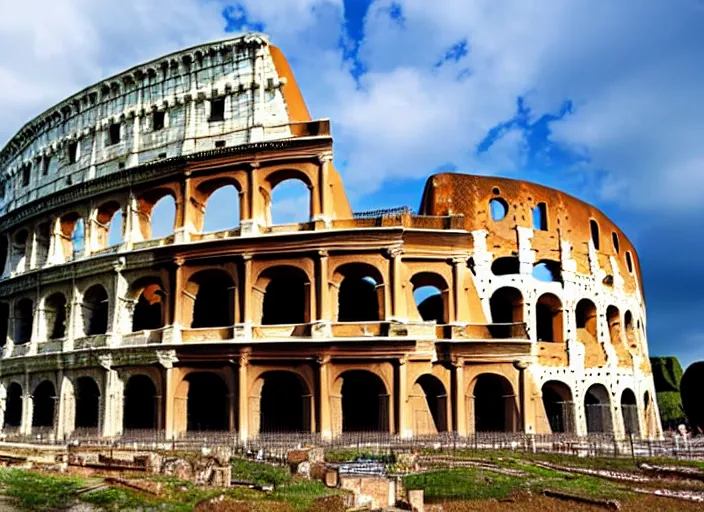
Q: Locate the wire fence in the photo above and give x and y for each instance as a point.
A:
(275, 446)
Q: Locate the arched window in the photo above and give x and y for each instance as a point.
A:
(429, 404)
(498, 208)
(540, 217)
(214, 299)
(208, 402)
(140, 403)
(4, 322)
(157, 213)
(431, 294)
(108, 225)
(13, 406)
(43, 241)
(285, 403)
(286, 299)
(613, 318)
(24, 319)
(614, 241)
(506, 265)
(55, 315)
(506, 309)
(72, 236)
(365, 402)
(559, 408)
(95, 310)
(290, 202)
(594, 230)
(548, 312)
(494, 404)
(629, 411)
(629, 262)
(547, 271)
(4, 253)
(87, 403)
(222, 210)
(359, 293)
(597, 406)
(151, 299)
(19, 251)
(44, 401)
(586, 317)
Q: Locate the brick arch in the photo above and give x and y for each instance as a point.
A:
(436, 306)
(183, 387)
(356, 272)
(101, 218)
(351, 406)
(221, 280)
(271, 177)
(493, 402)
(146, 201)
(150, 306)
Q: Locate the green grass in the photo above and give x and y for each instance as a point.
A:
(259, 472)
(118, 499)
(36, 491)
(351, 454)
(301, 494)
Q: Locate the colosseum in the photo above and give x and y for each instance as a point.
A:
(499, 306)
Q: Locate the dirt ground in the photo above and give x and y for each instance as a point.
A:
(544, 504)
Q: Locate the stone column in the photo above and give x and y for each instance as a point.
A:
(460, 411)
(27, 407)
(112, 403)
(247, 292)
(120, 289)
(166, 359)
(243, 396)
(459, 272)
(323, 289)
(252, 216)
(325, 202)
(404, 429)
(398, 304)
(524, 424)
(324, 397)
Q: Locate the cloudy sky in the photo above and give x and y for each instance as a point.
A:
(602, 99)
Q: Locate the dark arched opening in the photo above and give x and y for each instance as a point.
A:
(365, 402)
(559, 407)
(506, 265)
(594, 230)
(629, 412)
(87, 403)
(95, 310)
(285, 403)
(586, 317)
(494, 404)
(431, 294)
(44, 400)
(208, 405)
(435, 403)
(358, 299)
(540, 217)
(285, 300)
(548, 312)
(148, 312)
(613, 318)
(24, 317)
(506, 310)
(140, 403)
(213, 306)
(55, 314)
(597, 409)
(13, 406)
(4, 322)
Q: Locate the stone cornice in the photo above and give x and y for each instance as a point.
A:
(59, 112)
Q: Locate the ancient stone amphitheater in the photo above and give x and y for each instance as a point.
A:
(530, 316)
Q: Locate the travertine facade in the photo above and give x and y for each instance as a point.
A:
(537, 323)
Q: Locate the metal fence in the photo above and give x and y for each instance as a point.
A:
(274, 446)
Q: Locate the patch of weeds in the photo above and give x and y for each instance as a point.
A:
(36, 491)
(463, 484)
(301, 494)
(118, 499)
(350, 455)
(259, 472)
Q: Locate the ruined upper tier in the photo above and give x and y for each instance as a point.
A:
(214, 95)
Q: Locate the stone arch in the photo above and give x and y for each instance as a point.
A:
(506, 305)
(506, 265)
(102, 224)
(559, 407)
(597, 410)
(4, 322)
(613, 318)
(18, 251)
(360, 296)
(147, 202)
(629, 412)
(141, 403)
(549, 318)
(72, 231)
(435, 307)
(202, 194)
(42, 240)
(429, 405)
(44, 401)
(207, 401)
(88, 402)
(587, 334)
(548, 271)
(13, 406)
(365, 401)
(96, 308)
(276, 178)
(587, 317)
(55, 316)
(494, 403)
(150, 303)
(283, 296)
(210, 299)
(24, 321)
(4, 253)
(594, 232)
(284, 402)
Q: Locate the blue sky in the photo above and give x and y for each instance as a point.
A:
(601, 99)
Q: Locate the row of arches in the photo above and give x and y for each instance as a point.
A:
(506, 305)
(216, 206)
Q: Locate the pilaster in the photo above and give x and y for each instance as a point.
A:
(243, 401)
(324, 397)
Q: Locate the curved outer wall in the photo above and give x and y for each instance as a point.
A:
(223, 331)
